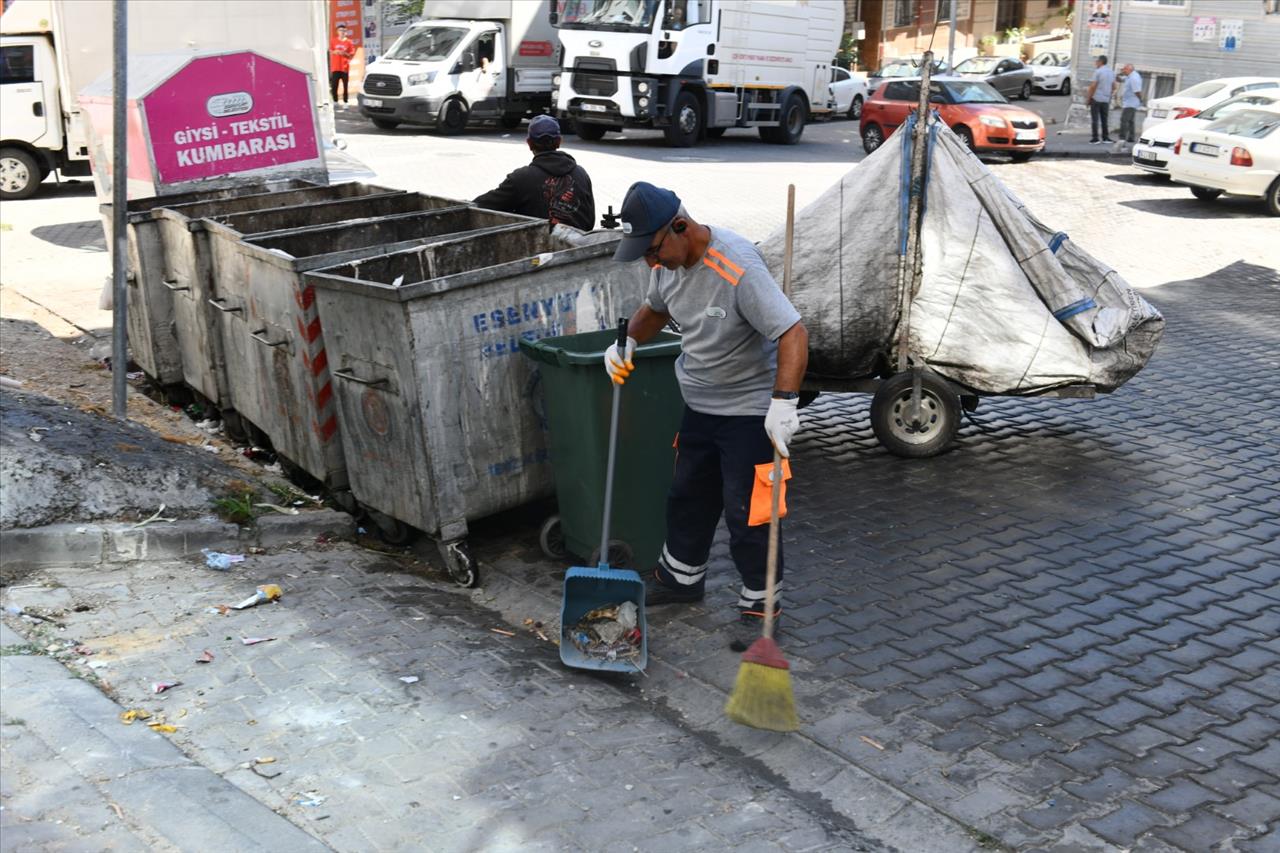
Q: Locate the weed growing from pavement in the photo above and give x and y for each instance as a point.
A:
(20, 649)
(236, 506)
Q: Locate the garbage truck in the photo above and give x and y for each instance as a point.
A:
(695, 68)
(52, 49)
(468, 60)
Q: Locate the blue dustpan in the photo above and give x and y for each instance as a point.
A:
(585, 588)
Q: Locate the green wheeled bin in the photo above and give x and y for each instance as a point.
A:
(578, 395)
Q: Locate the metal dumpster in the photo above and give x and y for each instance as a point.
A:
(188, 273)
(153, 340)
(272, 338)
(436, 410)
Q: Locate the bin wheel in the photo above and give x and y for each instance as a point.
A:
(551, 538)
(233, 424)
(915, 435)
(393, 531)
(459, 563)
(620, 555)
(345, 499)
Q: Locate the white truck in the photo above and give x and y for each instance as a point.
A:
(52, 49)
(469, 60)
(694, 68)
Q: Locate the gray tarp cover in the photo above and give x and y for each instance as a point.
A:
(994, 277)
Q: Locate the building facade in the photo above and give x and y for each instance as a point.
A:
(1178, 43)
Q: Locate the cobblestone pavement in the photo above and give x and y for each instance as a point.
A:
(1065, 631)
(400, 719)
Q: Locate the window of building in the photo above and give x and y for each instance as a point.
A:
(944, 10)
(904, 13)
(1157, 84)
(18, 64)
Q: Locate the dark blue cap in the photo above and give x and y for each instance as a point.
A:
(646, 210)
(543, 126)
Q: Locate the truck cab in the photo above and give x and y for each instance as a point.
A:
(693, 68)
(446, 72)
(33, 141)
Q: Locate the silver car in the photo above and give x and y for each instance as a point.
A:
(1010, 77)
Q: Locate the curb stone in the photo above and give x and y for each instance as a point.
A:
(27, 549)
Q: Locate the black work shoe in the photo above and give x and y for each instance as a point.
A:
(746, 629)
(656, 593)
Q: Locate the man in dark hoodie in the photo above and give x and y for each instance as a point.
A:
(552, 187)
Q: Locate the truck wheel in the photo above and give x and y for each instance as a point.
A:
(591, 132)
(511, 120)
(385, 123)
(453, 117)
(686, 122)
(792, 127)
(915, 435)
(19, 174)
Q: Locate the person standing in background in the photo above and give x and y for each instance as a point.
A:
(1100, 92)
(340, 52)
(1130, 101)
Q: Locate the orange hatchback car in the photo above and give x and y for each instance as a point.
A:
(979, 115)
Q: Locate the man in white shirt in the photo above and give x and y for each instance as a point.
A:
(1130, 100)
(1100, 92)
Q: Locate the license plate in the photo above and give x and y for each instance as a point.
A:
(1159, 113)
(1145, 155)
(595, 108)
(372, 102)
(1204, 148)
(1028, 135)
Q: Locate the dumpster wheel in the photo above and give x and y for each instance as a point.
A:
(904, 432)
(458, 562)
(551, 539)
(620, 555)
(393, 531)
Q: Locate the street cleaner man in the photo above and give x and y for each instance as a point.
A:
(552, 187)
(744, 353)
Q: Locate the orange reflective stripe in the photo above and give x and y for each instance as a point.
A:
(720, 271)
(728, 263)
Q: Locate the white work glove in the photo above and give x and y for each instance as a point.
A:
(781, 424)
(619, 365)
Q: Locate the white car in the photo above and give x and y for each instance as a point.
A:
(1152, 152)
(1201, 96)
(848, 93)
(1236, 155)
(1052, 73)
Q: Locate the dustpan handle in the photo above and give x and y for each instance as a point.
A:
(613, 450)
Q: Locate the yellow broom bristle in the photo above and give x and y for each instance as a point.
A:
(762, 699)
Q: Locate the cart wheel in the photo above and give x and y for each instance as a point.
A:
(551, 538)
(915, 434)
(233, 424)
(620, 555)
(393, 531)
(459, 563)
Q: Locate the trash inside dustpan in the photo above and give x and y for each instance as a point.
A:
(586, 589)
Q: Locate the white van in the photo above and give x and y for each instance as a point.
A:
(472, 60)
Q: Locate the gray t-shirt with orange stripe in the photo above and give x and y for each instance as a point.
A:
(731, 313)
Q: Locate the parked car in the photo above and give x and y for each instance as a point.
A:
(897, 68)
(1007, 76)
(980, 115)
(1051, 72)
(1152, 151)
(1194, 100)
(1238, 155)
(848, 93)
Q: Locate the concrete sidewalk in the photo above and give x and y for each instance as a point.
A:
(73, 777)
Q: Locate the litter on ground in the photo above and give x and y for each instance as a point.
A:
(265, 593)
(609, 633)
(219, 561)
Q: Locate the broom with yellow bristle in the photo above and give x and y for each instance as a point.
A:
(762, 696)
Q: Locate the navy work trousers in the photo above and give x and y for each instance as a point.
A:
(716, 459)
